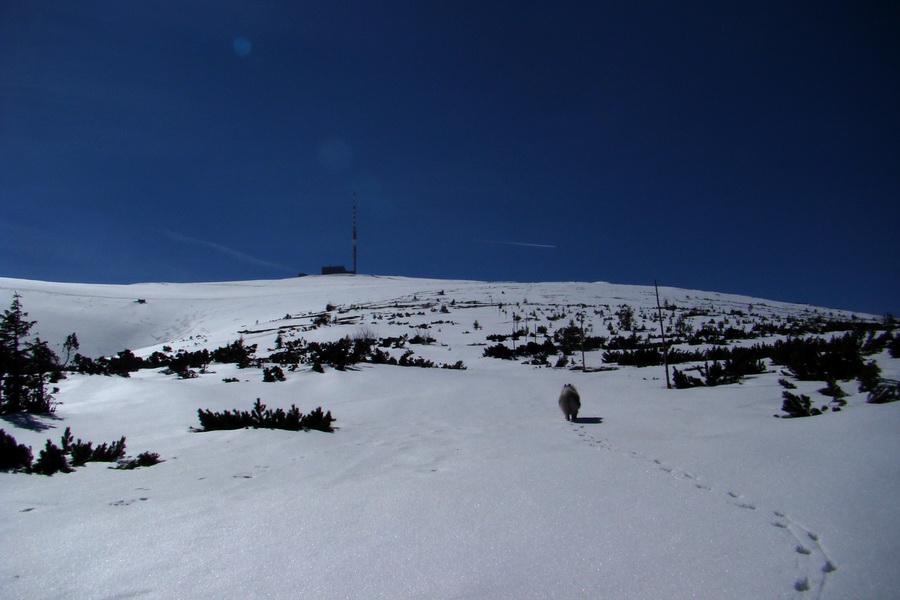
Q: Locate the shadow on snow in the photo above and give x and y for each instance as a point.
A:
(29, 421)
(588, 420)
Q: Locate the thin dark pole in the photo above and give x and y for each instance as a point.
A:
(662, 332)
(354, 233)
(583, 340)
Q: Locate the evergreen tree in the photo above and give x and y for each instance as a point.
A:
(70, 346)
(626, 317)
(42, 364)
(25, 365)
(14, 328)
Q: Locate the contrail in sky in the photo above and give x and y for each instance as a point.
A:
(519, 244)
(224, 250)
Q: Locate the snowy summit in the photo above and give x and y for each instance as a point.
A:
(451, 471)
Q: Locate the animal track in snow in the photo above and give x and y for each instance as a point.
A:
(812, 561)
(127, 502)
(811, 556)
(249, 475)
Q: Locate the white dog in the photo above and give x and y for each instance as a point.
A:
(570, 402)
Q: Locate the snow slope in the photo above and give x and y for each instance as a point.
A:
(438, 483)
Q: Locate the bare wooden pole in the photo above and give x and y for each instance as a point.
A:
(515, 319)
(583, 340)
(354, 233)
(662, 332)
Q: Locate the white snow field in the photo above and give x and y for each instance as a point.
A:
(438, 483)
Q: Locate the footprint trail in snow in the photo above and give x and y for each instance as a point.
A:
(813, 563)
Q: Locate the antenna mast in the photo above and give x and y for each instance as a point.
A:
(354, 233)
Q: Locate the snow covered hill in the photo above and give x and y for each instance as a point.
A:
(444, 483)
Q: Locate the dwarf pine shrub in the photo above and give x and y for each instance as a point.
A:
(682, 380)
(108, 452)
(236, 353)
(641, 357)
(816, 359)
(834, 390)
(893, 346)
(273, 374)
(798, 406)
(499, 351)
(61, 459)
(144, 459)
(261, 417)
(380, 357)
(81, 453)
(51, 460)
(886, 390)
(14, 456)
(869, 376)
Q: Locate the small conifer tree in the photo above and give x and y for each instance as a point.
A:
(70, 346)
(51, 460)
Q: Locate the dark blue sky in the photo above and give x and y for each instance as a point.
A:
(736, 147)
